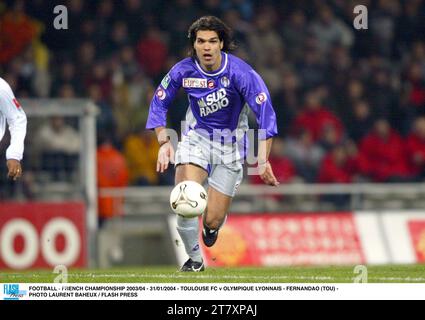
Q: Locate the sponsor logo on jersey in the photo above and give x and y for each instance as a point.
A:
(166, 81)
(225, 82)
(194, 83)
(261, 97)
(160, 93)
(213, 102)
(211, 84)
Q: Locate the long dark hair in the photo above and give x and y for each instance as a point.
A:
(211, 23)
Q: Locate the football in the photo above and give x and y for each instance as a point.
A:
(188, 199)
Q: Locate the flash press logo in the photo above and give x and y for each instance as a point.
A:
(12, 292)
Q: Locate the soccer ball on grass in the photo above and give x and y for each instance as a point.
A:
(188, 199)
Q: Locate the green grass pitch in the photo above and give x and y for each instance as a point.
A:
(329, 274)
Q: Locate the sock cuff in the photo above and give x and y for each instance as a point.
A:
(186, 229)
(187, 223)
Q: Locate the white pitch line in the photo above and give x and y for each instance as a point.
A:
(408, 279)
(212, 277)
(179, 276)
(200, 276)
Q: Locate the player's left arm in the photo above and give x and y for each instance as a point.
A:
(265, 169)
(17, 122)
(258, 98)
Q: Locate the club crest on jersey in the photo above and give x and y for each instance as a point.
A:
(194, 83)
(213, 102)
(261, 97)
(160, 93)
(225, 82)
(211, 84)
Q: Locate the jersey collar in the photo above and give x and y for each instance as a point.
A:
(211, 74)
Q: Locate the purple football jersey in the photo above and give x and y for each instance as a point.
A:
(217, 100)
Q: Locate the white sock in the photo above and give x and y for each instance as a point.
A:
(188, 229)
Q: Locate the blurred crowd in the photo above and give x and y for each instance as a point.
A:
(350, 103)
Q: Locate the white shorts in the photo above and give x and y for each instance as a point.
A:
(221, 161)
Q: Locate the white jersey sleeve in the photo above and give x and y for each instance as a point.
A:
(12, 114)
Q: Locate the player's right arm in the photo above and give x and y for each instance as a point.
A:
(166, 150)
(157, 119)
(17, 122)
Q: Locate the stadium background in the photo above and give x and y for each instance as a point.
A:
(350, 153)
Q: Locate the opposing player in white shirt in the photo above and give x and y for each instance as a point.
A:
(12, 114)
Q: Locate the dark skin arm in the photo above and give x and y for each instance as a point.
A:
(266, 171)
(14, 169)
(166, 151)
